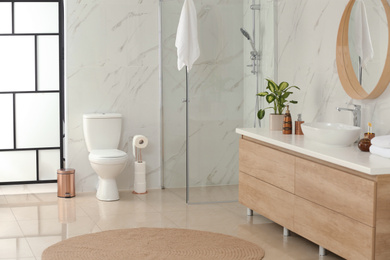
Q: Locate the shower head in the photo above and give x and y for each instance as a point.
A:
(246, 34)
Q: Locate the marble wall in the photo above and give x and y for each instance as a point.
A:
(307, 33)
(112, 66)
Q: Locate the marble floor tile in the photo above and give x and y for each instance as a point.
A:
(135, 220)
(22, 199)
(28, 189)
(36, 212)
(6, 214)
(208, 194)
(10, 229)
(40, 243)
(29, 223)
(15, 248)
(102, 210)
(3, 200)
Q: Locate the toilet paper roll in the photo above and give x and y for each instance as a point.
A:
(139, 177)
(139, 141)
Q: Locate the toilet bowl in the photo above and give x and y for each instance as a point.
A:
(107, 164)
(102, 135)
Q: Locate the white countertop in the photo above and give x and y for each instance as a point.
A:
(350, 157)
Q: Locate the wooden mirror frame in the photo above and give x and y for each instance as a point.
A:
(347, 75)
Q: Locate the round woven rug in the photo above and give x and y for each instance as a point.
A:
(153, 243)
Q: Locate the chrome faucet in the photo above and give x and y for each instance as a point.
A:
(357, 114)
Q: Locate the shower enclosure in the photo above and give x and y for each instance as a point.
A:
(200, 146)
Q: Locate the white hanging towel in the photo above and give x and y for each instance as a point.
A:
(187, 36)
(362, 37)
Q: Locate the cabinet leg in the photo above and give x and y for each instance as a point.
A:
(249, 212)
(322, 251)
(286, 232)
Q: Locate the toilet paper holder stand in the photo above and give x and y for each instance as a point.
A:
(138, 153)
(139, 142)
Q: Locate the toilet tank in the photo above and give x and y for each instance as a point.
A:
(102, 131)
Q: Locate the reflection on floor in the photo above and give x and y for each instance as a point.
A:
(31, 222)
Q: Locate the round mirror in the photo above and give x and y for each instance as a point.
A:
(363, 60)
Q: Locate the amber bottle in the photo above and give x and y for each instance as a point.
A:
(298, 123)
(287, 123)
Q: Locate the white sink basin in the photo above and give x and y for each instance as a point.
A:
(335, 134)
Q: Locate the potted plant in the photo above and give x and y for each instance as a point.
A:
(278, 95)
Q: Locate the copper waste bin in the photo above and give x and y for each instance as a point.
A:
(65, 183)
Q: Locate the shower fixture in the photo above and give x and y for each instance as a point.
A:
(246, 34)
(255, 56)
(255, 7)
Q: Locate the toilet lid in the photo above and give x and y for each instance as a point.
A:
(107, 153)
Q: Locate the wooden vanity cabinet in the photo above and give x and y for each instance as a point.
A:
(344, 211)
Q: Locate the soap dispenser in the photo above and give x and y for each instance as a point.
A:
(287, 124)
(298, 123)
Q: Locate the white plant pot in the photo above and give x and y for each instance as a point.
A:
(276, 122)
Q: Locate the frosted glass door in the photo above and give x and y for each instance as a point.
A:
(18, 166)
(31, 90)
(6, 129)
(5, 17)
(36, 17)
(48, 63)
(37, 120)
(17, 63)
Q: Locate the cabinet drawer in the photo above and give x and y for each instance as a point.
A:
(267, 164)
(345, 193)
(267, 200)
(341, 235)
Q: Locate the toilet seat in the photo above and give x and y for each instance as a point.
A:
(107, 156)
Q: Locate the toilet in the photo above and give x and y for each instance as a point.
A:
(102, 134)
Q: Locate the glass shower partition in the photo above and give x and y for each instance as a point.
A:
(209, 164)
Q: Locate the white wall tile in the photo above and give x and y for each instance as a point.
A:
(112, 66)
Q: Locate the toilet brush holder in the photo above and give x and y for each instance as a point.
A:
(140, 178)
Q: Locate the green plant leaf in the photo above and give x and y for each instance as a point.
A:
(286, 94)
(293, 87)
(293, 102)
(261, 114)
(262, 94)
(270, 98)
(283, 85)
(281, 108)
(272, 86)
